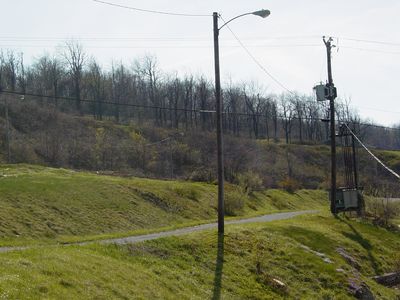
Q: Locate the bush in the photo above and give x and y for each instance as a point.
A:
(189, 192)
(202, 175)
(234, 203)
(249, 182)
(289, 184)
(397, 262)
(383, 211)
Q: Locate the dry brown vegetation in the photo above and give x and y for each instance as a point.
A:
(43, 135)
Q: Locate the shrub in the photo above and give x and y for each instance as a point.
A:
(249, 182)
(234, 203)
(383, 211)
(203, 175)
(289, 184)
(397, 262)
(189, 192)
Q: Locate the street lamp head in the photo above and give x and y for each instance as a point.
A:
(262, 13)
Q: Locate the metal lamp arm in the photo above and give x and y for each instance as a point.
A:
(226, 23)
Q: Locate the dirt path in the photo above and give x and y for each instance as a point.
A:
(182, 231)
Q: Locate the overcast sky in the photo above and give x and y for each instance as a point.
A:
(288, 43)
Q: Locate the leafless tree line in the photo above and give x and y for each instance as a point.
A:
(143, 93)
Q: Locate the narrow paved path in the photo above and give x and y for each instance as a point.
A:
(186, 230)
(182, 231)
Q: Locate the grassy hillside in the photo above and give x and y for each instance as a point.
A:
(39, 203)
(254, 259)
(314, 256)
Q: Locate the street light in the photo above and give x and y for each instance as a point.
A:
(220, 157)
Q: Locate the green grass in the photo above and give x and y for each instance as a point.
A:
(197, 267)
(391, 156)
(47, 205)
(44, 206)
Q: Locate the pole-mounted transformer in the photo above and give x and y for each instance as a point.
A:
(325, 92)
(328, 92)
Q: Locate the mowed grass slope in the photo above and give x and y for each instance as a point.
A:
(39, 203)
(197, 266)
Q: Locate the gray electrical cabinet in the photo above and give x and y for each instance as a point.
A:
(347, 198)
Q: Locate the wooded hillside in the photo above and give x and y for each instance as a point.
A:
(68, 111)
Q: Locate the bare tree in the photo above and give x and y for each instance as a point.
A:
(75, 58)
(188, 100)
(299, 107)
(10, 64)
(310, 118)
(254, 106)
(203, 94)
(233, 108)
(22, 76)
(95, 86)
(268, 112)
(147, 67)
(287, 116)
(177, 95)
(46, 74)
(56, 75)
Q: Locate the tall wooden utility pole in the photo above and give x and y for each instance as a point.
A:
(353, 146)
(331, 97)
(220, 146)
(8, 132)
(7, 127)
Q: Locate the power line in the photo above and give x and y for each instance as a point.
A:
(109, 102)
(380, 110)
(166, 47)
(370, 50)
(257, 62)
(286, 37)
(376, 158)
(191, 38)
(146, 38)
(174, 40)
(370, 41)
(151, 11)
(43, 39)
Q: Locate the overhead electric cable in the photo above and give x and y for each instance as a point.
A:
(258, 63)
(369, 151)
(151, 11)
(370, 41)
(94, 101)
(158, 47)
(380, 110)
(370, 50)
(109, 102)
